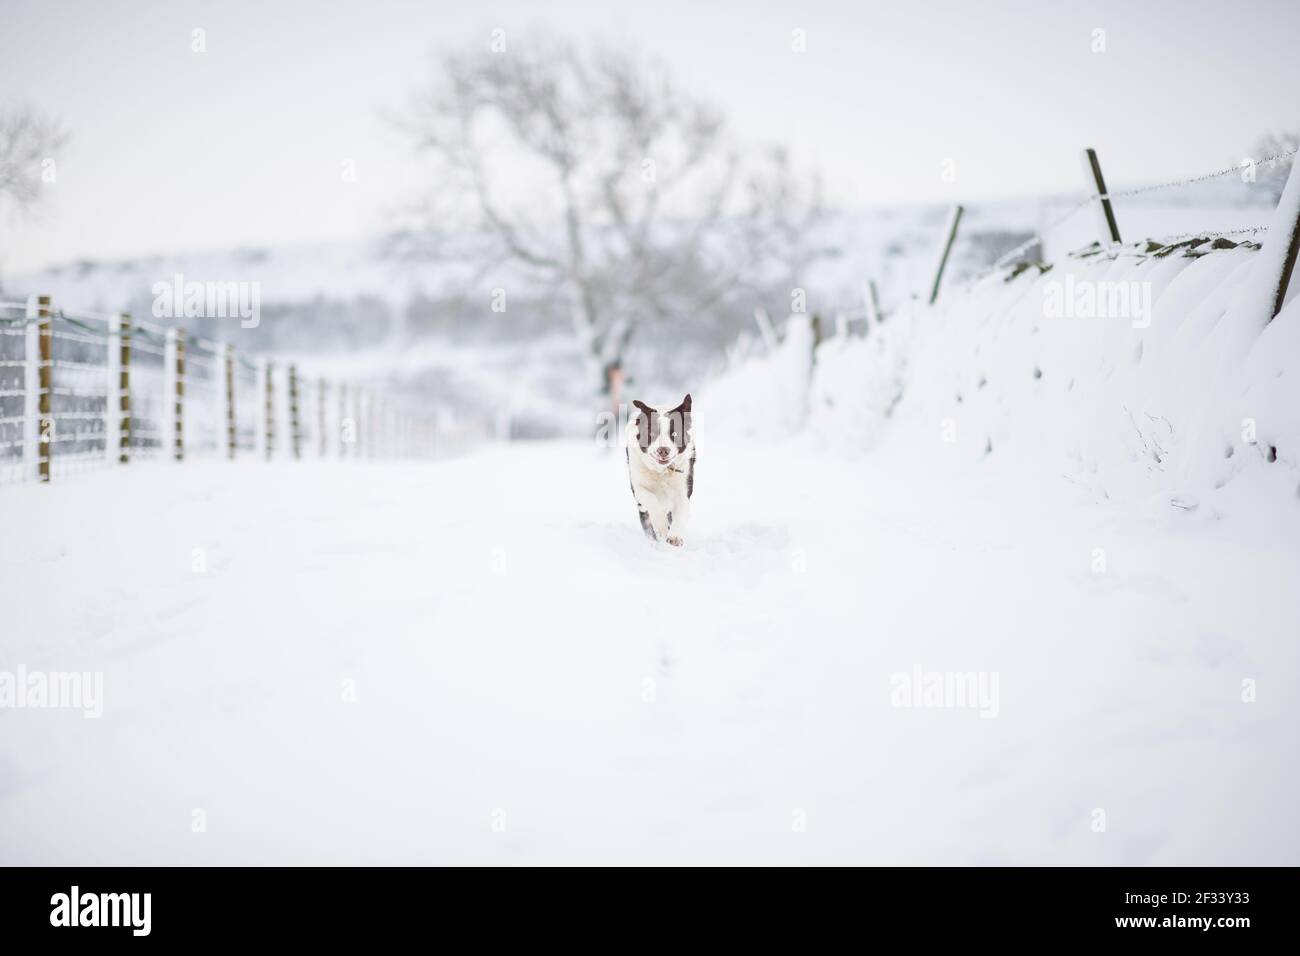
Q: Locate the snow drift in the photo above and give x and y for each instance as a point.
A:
(1132, 374)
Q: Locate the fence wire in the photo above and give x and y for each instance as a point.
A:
(165, 366)
(79, 396)
(1039, 236)
(13, 390)
(1270, 161)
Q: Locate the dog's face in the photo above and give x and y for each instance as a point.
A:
(662, 434)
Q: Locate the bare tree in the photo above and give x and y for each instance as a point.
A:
(783, 221)
(597, 178)
(27, 140)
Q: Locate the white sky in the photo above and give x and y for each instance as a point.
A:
(178, 151)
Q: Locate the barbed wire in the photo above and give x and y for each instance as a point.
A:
(1003, 260)
(149, 335)
(1011, 254)
(76, 337)
(1204, 177)
(86, 314)
(1037, 237)
(137, 331)
(60, 314)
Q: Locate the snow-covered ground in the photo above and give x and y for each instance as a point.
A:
(993, 584)
(483, 660)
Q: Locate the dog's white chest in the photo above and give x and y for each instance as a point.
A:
(668, 483)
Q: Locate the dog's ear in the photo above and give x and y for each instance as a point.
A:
(645, 424)
(681, 415)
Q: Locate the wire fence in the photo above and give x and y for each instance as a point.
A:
(79, 397)
(1101, 201)
(13, 389)
(1270, 161)
(83, 391)
(1104, 198)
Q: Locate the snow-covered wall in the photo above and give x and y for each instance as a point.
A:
(1133, 375)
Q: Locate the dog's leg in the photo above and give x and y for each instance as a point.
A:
(655, 512)
(677, 519)
(651, 512)
(641, 512)
(646, 526)
(682, 513)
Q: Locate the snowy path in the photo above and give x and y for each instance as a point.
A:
(535, 682)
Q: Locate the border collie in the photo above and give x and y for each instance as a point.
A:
(661, 468)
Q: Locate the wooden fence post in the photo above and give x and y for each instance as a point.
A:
(950, 236)
(268, 437)
(343, 419)
(386, 429)
(362, 415)
(765, 328)
(359, 436)
(171, 392)
(32, 394)
(372, 425)
(295, 436)
(871, 304)
(167, 415)
(113, 365)
(1284, 236)
(46, 385)
(124, 389)
(179, 427)
(363, 435)
(231, 434)
(1107, 227)
(321, 396)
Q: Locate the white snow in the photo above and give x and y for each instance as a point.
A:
(522, 655)
(975, 489)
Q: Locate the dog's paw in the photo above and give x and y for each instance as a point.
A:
(675, 541)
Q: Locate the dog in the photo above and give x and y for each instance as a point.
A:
(661, 468)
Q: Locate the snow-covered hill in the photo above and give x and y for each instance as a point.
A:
(1164, 401)
(996, 583)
